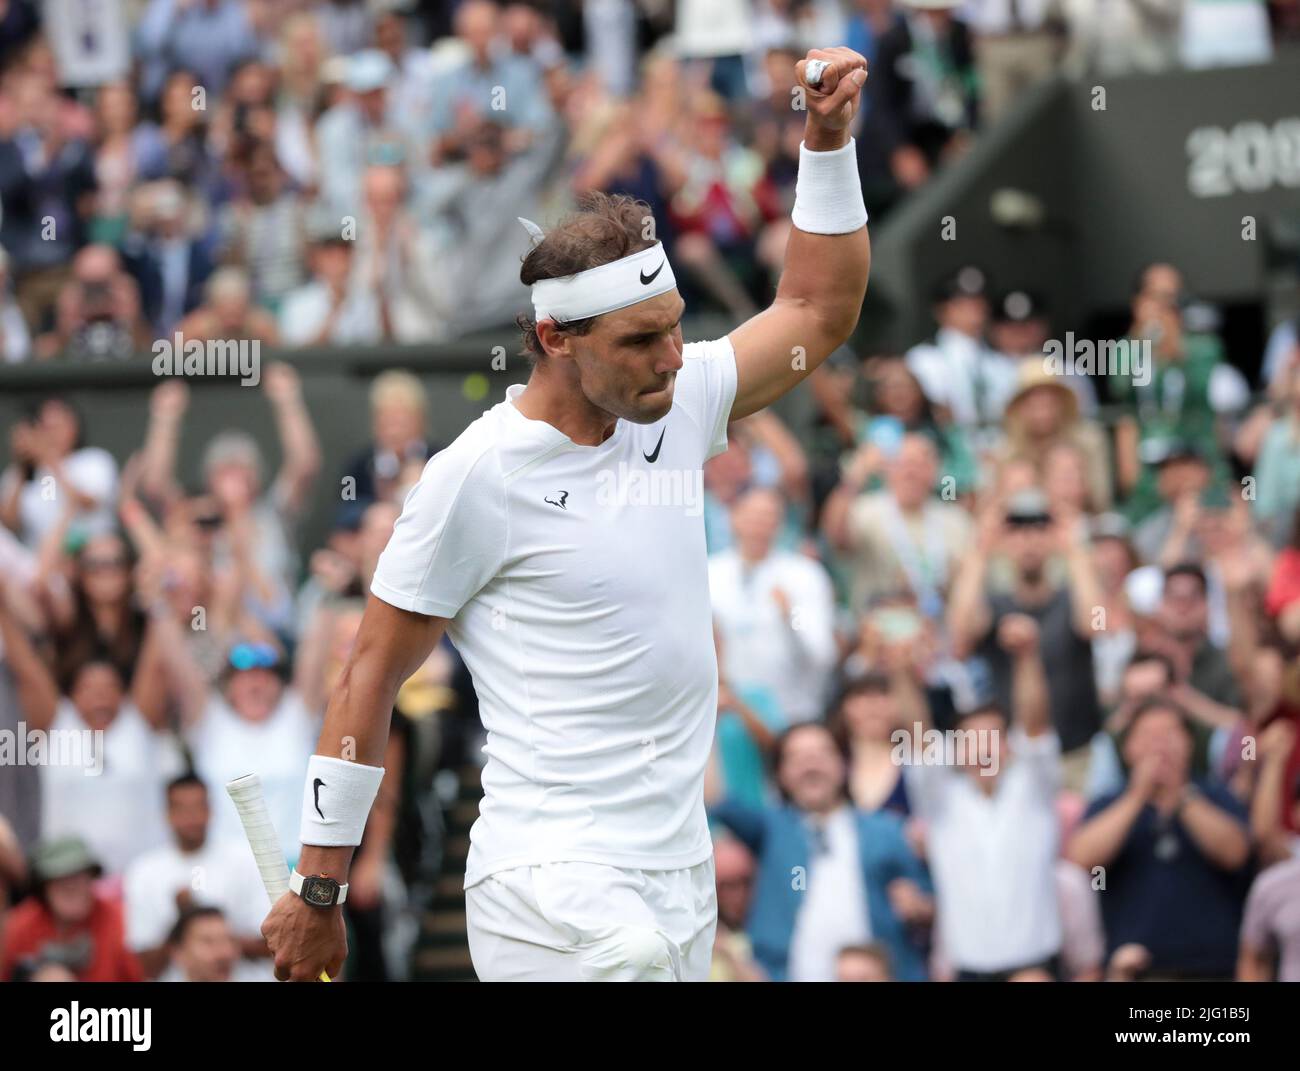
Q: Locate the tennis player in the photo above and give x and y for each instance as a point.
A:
(582, 612)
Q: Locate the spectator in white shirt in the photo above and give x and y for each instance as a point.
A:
(53, 475)
(195, 870)
(958, 371)
(326, 311)
(992, 829)
(775, 610)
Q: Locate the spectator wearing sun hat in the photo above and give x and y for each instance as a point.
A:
(67, 920)
(1043, 414)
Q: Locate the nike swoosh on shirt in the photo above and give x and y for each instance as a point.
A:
(652, 458)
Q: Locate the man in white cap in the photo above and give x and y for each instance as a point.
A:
(559, 541)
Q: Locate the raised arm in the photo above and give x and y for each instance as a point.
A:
(824, 279)
(391, 644)
(38, 696)
(302, 456)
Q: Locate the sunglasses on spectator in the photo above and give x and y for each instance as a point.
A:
(254, 656)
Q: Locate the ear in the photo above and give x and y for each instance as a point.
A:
(555, 343)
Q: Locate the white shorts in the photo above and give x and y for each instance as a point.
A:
(588, 922)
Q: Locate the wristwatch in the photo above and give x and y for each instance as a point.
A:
(317, 890)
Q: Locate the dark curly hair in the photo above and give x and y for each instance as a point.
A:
(605, 227)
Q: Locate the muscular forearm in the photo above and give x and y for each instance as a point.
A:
(1101, 838)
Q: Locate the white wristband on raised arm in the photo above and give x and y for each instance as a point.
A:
(828, 191)
(336, 801)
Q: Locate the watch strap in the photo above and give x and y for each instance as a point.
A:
(296, 882)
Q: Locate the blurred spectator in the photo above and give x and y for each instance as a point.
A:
(749, 719)
(1111, 37)
(228, 312)
(958, 371)
(47, 183)
(863, 963)
(202, 949)
(1277, 476)
(774, 610)
(828, 874)
(900, 536)
(98, 314)
(1017, 44)
(168, 260)
(1270, 930)
(1019, 330)
(991, 827)
(399, 437)
(921, 96)
(1042, 415)
(54, 477)
(15, 339)
(263, 230)
(162, 887)
(400, 263)
(864, 721)
(1168, 535)
(1031, 537)
(67, 921)
(327, 310)
(208, 37)
(1174, 853)
(733, 955)
(1178, 394)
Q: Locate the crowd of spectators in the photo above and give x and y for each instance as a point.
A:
(312, 172)
(1109, 612)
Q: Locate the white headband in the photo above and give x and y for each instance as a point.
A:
(599, 290)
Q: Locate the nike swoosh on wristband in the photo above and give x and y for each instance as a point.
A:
(316, 786)
(646, 280)
(652, 458)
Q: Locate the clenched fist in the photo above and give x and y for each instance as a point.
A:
(833, 100)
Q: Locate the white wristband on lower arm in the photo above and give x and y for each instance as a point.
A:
(336, 801)
(828, 191)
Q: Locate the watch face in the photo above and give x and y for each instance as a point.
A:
(320, 892)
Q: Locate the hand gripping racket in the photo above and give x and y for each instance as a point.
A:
(246, 792)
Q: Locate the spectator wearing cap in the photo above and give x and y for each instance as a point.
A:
(774, 609)
(901, 535)
(1180, 394)
(991, 828)
(1175, 853)
(958, 371)
(1168, 534)
(1019, 330)
(855, 879)
(202, 948)
(362, 129)
(195, 870)
(1042, 416)
(208, 37)
(49, 445)
(1030, 537)
(922, 102)
(67, 920)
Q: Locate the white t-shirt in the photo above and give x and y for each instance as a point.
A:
(994, 857)
(91, 471)
(575, 581)
(833, 913)
(226, 746)
(793, 657)
(220, 874)
(109, 790)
